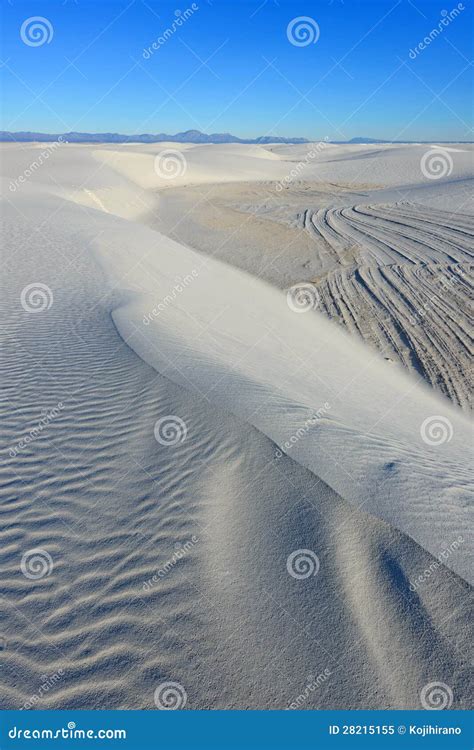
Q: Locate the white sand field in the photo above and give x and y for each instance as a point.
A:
(214, 479)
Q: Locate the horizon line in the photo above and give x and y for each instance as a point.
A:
(9, 135)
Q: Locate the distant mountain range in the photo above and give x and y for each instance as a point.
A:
(189, 136)
(361, 139)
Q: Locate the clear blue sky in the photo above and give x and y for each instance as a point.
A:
(231, 68)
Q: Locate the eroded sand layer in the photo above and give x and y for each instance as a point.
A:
(399, 275)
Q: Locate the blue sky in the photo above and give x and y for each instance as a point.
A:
(230, 67)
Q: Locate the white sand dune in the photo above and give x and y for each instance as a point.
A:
(120, 613)
(236, 341)
(204, 164)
